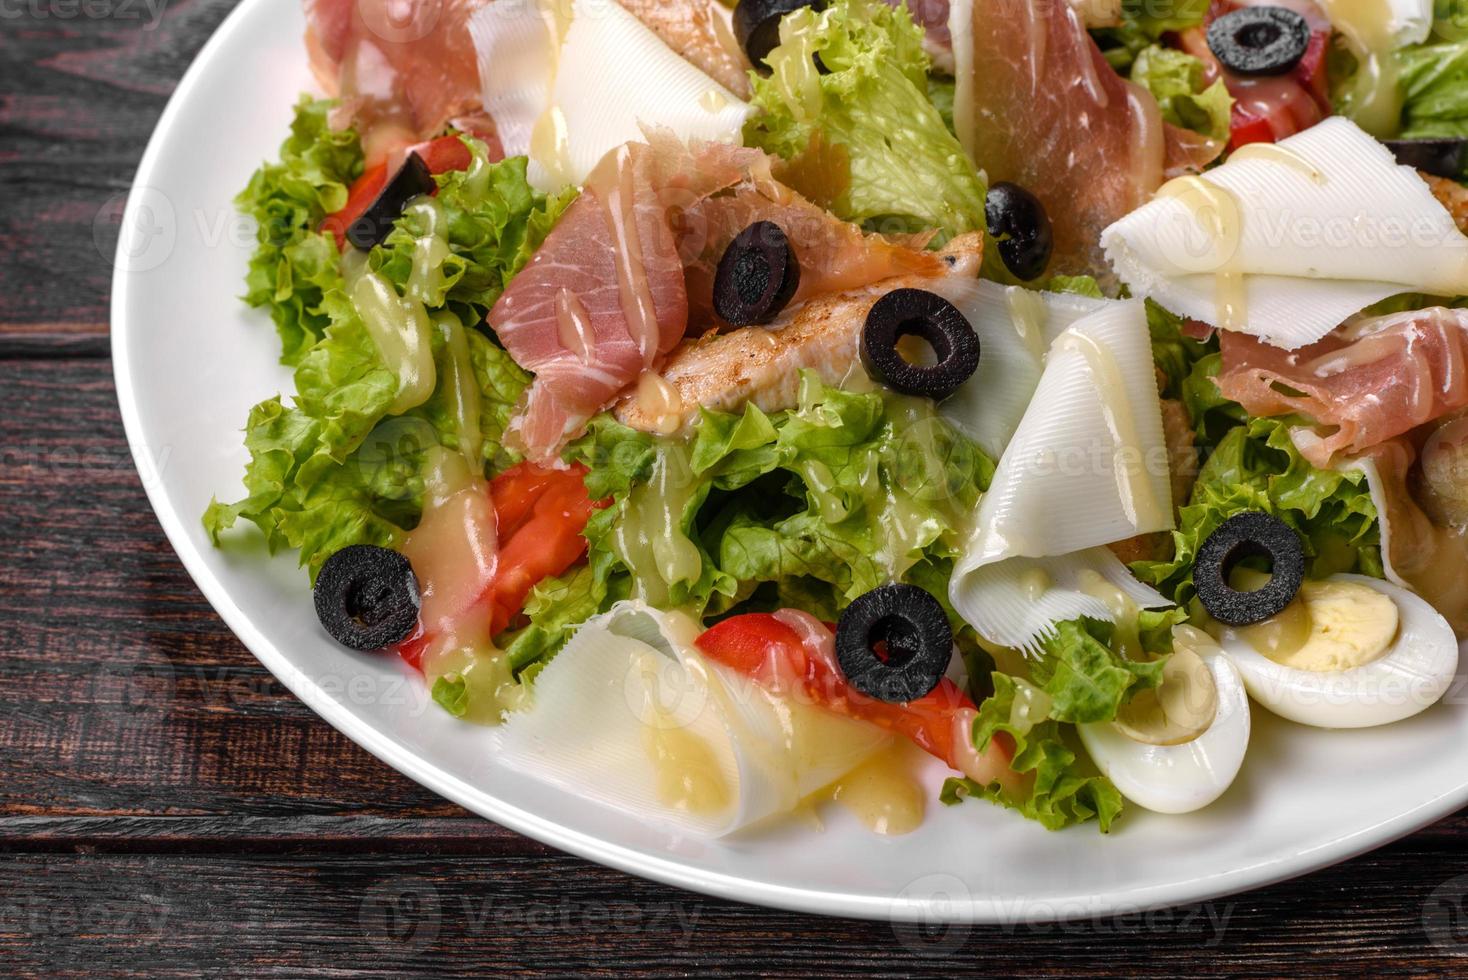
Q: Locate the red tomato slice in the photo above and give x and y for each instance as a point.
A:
(773, 654)
(539, 516)
(1270, 108)
(440, 156)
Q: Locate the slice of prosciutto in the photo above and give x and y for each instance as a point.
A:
(629, 269)
(1037, 103)
(1367, 382)
(400, 68)
(1267, 108)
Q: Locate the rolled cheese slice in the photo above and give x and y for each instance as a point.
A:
(1015, 327)
(566, 82)
(1087, 466)
(1286, 241)
(632, 716)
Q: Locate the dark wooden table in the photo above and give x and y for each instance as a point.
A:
(167, 808)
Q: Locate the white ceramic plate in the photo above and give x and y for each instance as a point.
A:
(191, 360)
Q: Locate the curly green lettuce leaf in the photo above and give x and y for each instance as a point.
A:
(335, 468)
(864, 138)
(1257, 467)
(1175, 355)
(1061, 789)
(294, 265)
(1086, 678)
(808, 507)
(1434, 86)
(1142, 24)
(1176, 80)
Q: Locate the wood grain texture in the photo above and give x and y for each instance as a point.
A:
(166, 808)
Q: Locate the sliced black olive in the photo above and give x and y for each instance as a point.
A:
(929, 317)
(413, 178)
(1259, 40)
(367, 597)
(1442, 156)
(757, 27)
(1252, 534)
(1021, 229)
(757, 276)
(909, 623)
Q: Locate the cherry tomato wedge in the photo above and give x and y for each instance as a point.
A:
(440, 155)
(773, 653)
(539, 516)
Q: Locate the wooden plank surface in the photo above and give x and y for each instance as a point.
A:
(166, 808)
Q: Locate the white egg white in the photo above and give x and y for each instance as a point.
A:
(1409, 677)
(1186, 777)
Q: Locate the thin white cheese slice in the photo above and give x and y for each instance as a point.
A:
(631, 715)
(1403, 21)
(1316, 229)
(565, 91)
(1087, 466)
(1015, 327)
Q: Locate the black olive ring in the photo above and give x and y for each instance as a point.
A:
(918, 640)
(757, 276)
(372, 228)
(367, 597)
(1260, 40)
(930, 317)
(1252, 534)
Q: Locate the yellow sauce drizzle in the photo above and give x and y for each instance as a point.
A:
(573, 323)
(611, 183)
(690, 778)
(1274, 153)
(1214, 208)
(1027, 313)
(660, 402)
(399, 329)
(1375, 98)
(882, 792)
(1138, 497)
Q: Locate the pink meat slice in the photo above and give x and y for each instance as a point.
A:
(589, 264)
(688, 204)
(1365, 383)
(1052, 115)
(401, 68)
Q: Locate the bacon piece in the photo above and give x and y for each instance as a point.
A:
(605, 297)
(1368, 381)
(401, 68)
(1268, 108)
(1040, 106)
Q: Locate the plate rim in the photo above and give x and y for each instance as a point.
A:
(974, 910)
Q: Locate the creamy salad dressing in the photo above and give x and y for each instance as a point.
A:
(1134, 488)
(649, 538)
(573, 325)
(611, 183)
(1213, 207)
(1375, 95)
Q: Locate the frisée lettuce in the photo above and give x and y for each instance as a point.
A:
(862, 137)
(333, 467)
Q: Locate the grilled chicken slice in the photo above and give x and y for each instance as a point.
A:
(762, 365)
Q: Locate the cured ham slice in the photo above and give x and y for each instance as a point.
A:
(607, 294)
(1037, 103)
(1365, 383)
(1268, 108)
(401, 68)
(762, 365)
(598, 304)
